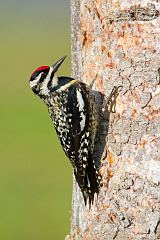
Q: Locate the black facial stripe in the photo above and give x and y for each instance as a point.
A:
(45, 71)
(35, 91)
(49, 85)
(43, 76)
(52, 74)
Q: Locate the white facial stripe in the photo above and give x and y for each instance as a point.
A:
(44, 88)
(80, 105)
(55, 80)
(34, 82)
(67, 85)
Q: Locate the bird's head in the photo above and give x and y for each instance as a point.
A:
(44, 78)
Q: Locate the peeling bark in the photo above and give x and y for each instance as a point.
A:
(119, 41)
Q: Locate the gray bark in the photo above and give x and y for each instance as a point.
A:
(120, 42)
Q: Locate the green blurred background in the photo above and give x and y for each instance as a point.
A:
(35, 175)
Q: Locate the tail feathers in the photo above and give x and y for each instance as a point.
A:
(88, 195)
(93, 182)
(90, 184)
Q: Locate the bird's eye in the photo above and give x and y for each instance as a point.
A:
(43, 75)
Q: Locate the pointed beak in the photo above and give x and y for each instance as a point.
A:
(57, 64)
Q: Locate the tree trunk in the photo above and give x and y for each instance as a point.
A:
(116, 42)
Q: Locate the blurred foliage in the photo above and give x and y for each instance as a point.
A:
(35, 175)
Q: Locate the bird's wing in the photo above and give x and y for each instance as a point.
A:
(74, 121)
(79, 133)
(72, 124)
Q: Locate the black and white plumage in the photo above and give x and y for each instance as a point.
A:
(72, 110)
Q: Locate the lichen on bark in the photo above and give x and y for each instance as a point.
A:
(118, 42)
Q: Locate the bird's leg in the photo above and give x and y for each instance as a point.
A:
(93, 81)
(111, 99)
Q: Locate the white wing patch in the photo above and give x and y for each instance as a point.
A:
(80, 105)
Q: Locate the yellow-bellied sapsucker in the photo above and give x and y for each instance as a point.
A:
(72, 110)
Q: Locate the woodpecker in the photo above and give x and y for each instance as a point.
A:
(72, 109)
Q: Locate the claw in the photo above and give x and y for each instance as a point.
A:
(112, 97)
(93, 81)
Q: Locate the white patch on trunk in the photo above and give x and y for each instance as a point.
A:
(80, 105)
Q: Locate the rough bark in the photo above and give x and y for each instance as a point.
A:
(119, 41)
